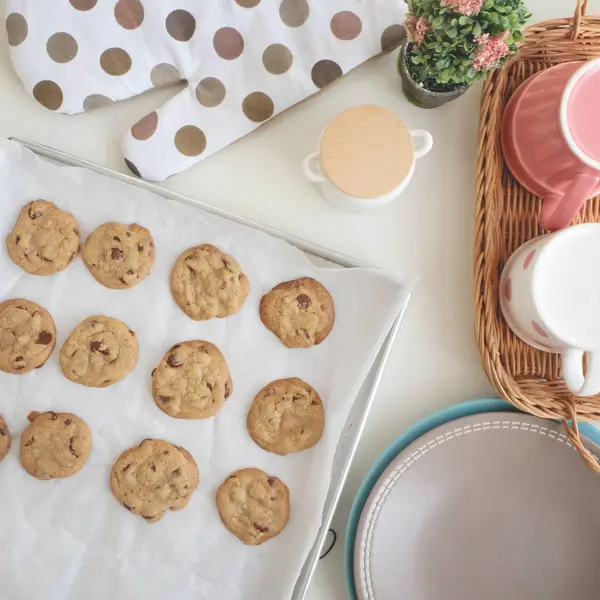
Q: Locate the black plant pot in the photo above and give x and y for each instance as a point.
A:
(419, 95)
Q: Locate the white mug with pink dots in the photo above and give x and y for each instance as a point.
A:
(550, 298)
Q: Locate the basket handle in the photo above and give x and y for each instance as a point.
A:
(579, 13)
(572, 430)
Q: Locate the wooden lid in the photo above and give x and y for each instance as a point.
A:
(367, 151)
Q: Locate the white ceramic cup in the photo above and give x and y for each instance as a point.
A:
(550, 298)
(314, 172)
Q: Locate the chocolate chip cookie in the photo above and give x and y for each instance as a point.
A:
(4, 438)
(55, 445)
(44, 239)
(119, 256)
(100, 351)
(192, 381)
(253, 506)
(27, 336)
(299, 312)
(286, 416)
(207, 283)
(154, 477)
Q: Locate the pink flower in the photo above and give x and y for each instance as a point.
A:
(464, 7)
(416, 28)
(490, 51)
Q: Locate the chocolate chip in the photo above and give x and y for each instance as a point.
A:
(153, 371)
(140, 247)
(269, 392)
(129, 272)
(153, 468)
(271, 481)
(191, 257)
(303, 301)
(260, 528)
(226, 262)
(116, 254)
(29, 442)
(128, 233)
(125, 468)
(132, 332)
(35, 214)
(176, 472)
(305, 333)
(68, 421)
(151, 244)
(53, 415)
(3, 431)
(45, 338)
(175, 347)
(314, 403)
(71, 449)
(209, 386)
(19, 359)
(75, 231)
(301, 431)
(164, 399)
(148, 517)
(95, 346)
(166, 452)
(228, 390)
(18, 239)
(173, 362)
(116, 238)
(190, 269)
(122, 281)
(127, 506)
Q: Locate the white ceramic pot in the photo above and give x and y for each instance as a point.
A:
(550, 298)
(366, 158)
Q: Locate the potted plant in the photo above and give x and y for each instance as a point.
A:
(452, 43)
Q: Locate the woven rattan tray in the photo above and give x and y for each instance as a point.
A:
(506, 216)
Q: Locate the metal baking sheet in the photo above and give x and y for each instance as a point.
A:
(320, 256)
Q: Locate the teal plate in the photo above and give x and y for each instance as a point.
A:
(451, 413)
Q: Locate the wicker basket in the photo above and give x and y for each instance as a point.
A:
(506, 216)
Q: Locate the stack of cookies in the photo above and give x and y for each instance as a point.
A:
(192, 381)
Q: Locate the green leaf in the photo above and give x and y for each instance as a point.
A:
(452, 32)
(487, 4)
(463, 20)
(437, 22)
(477, 29)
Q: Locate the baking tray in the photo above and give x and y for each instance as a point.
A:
(320, 256)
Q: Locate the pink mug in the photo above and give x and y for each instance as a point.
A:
(551, 138)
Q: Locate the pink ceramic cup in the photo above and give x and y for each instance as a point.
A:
(551, 138)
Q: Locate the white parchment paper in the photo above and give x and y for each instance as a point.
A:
(70, 539)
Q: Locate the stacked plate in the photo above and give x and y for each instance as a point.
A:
(478, 502)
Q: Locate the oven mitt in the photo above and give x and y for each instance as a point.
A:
(243, 62)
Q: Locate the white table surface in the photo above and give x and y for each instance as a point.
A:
(428, 232)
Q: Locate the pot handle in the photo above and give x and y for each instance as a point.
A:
(425, 142)
(558, 210)
(311, 168)
(572, 366)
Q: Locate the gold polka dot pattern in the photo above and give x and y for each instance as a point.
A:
(61, 47)
(228, 43)
(16, 29)
(190, 140)
(144, 129)
(210, 92)
(234, 65)
(277, 59)
(129, 14)
(181, 25)
(48, 94)
(258, 107)
(346, 25)
(115, 61)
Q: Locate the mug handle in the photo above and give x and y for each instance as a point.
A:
(572, 365)
(311, 169)
(559, 210)
(425, 142)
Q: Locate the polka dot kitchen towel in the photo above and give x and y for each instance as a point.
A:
(244, 61)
